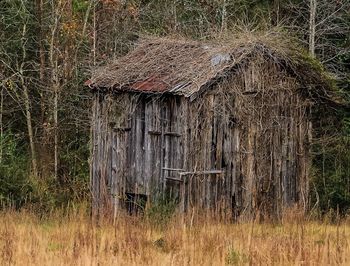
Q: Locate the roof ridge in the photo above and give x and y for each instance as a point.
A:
(186, 67)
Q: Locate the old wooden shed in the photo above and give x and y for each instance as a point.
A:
(224, 127)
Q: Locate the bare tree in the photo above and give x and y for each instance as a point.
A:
(17, 66)
(1, 121)
(312, 27)
(276, 11)
(223, 17)
(26, 97)
(323, 26)
(42, 59)
(55, 53)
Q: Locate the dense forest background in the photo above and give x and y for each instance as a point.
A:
(49, 47)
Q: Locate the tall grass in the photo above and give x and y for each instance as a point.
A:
(72, 239)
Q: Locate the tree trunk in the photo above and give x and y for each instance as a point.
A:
(41, 36)
(56, 91)
(1, 122)
(276, 12)
(29, 127)
(312, 27)
(55, 86)
(27, 103)
(94, 46)
(223, 17)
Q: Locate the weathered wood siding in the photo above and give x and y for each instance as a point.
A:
(252, 128)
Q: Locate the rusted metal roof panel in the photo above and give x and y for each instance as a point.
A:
(151, 84)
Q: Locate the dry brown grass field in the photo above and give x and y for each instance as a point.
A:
(73, 239)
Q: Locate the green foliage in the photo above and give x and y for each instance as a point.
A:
(51, 194)
(74, 158)
(332, 173)
(161, 210)
(17, 20)
(236, 258)
(19, 189)
(14, 183)
(80, 6)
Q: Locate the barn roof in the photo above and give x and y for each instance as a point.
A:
(186, 67)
